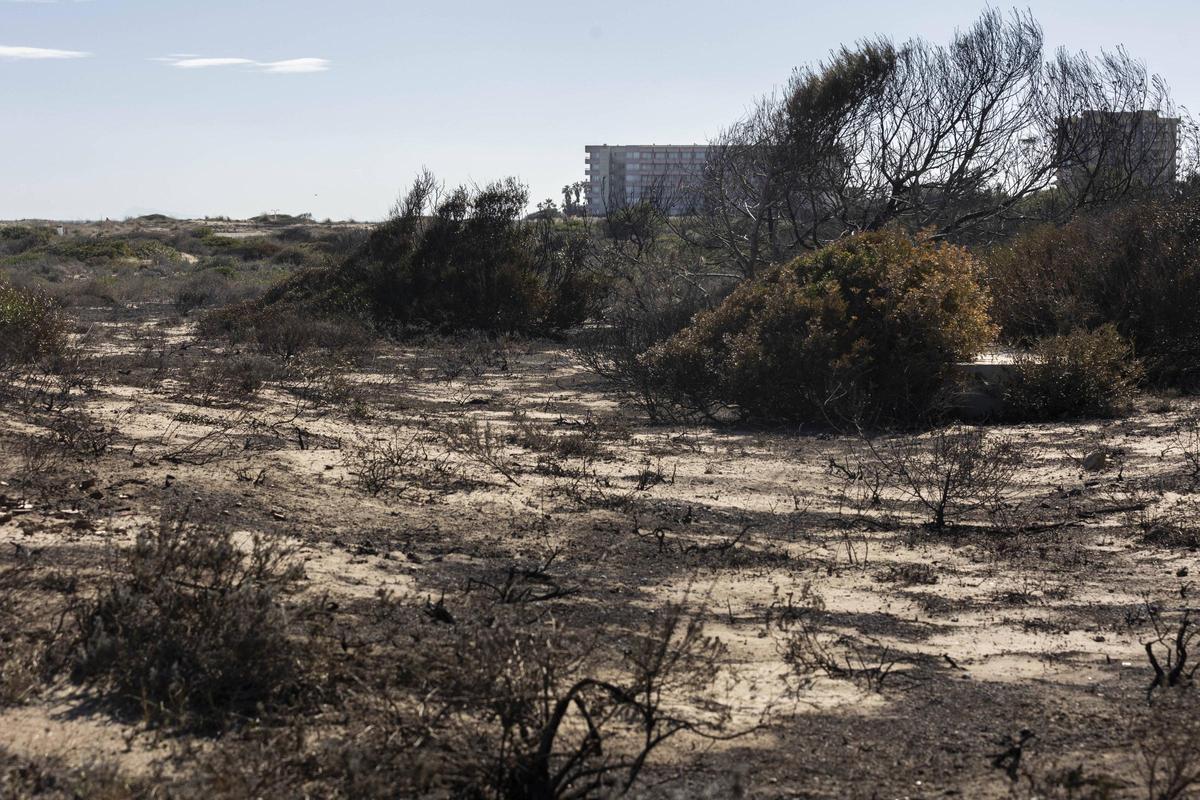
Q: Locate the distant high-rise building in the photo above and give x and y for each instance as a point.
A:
(1103, 149)
(668, 175)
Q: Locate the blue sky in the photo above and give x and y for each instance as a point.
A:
(110, 108)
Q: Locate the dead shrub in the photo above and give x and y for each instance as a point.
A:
(325, 380)
(82, 434)
(1187, 442)
(866, 663)
(190, 629)
(206, 289)
(41, 456)
(382, 465)
(473, 355)
(582, 442)
(1166, 739)
(51, 779)
(478, 700)
(1168, 651)
(911, 574)
(228, 379)
(555, 724)
(285, 332)
(480, 443)
(22, 640)
(950, 472)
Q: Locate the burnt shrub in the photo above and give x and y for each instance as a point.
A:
(463, 260)
(1080, 374)
(204, 290)
(646, 306)
(190, 628)
(867, 329)
(286, 331)
(31, 327)
(1136, 267)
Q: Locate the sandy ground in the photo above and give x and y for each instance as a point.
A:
(1039, 627)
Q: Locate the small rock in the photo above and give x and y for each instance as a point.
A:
(1094, 462)
(1182, 572)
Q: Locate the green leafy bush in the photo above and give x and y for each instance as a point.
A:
(867, 328)
(1136, 267)
(1080, 374)
(31, 327)
(17, 239)
(98, 249)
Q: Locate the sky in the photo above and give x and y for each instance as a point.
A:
(116, 108)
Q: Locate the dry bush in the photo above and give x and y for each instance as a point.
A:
(1080, 374)
(1169, 650)
(910, 574)
(480, 443)
(382, 465)
(1166, 739)
(51, 779)
(950, 472)
(652, 300)
(40, 457)
(22, 642)
(206, 289)
(1064, 783)
(581, 441)
(227, 379)
(489, 703)
(285, 332)
(189, 628)
(324, 380)
(1160, 524)
(866, 663)
(1187, 443)
(81, 433)
(470, 355)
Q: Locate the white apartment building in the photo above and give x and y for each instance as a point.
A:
(1107, 145)
(621, 175)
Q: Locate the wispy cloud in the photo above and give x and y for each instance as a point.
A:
(9, 53)
(202, 63)
(297, 65)
(290, 66)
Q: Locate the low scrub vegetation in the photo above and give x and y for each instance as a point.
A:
(1136, 267)
(191, 629)
(867, 328)
(1080, 374)
(31, 327)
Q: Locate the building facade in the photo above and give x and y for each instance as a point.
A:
(1102, 148)
(622, 175)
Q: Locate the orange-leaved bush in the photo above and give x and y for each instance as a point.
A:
(866, 329)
